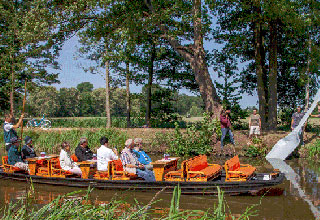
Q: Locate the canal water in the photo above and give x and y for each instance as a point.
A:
(282, 202)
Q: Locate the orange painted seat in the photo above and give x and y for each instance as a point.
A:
(195, 169)
(56, 170)
(198, 169)
(236, 171)
(118, 173)
(7, 168)
(43, 168)
(74, 158)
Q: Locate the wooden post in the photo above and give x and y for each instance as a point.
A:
(108, 112)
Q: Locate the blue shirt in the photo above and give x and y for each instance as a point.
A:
(143, 157)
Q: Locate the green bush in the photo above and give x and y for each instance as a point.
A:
(256, 149)
(197, 139)
(314, 151)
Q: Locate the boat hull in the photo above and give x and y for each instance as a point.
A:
(210, 187)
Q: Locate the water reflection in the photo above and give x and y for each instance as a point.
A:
(282, 202)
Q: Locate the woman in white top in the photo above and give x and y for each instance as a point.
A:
(66, 162)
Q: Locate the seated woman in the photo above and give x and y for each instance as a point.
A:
(142, 156)
(131, 163)
(14, 155)
(66, 162)
(27, 151)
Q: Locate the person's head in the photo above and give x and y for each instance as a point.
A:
(298, 109)
(83, 142)
(104, 140)
(129, 143)
(137, 144)
(9, 118)
(254, 111)
(15, 141)
(28, 140)
(65, 146)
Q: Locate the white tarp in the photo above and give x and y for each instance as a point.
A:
(286, 145)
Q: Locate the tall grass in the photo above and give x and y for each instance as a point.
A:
(81, 208)
(117, 122)
(49, 140)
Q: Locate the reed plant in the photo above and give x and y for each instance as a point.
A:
(82, 208)
(49, 140)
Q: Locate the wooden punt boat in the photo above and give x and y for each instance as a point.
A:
(260, 181)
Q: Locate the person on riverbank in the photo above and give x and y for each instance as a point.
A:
(296, 118)
(66, 162)
(27, 151)
(105, 154)
(225, 122)
(254, 124)
(142, 156)
(14, 155)
(131, 163)
(9, 129)
(82, 151)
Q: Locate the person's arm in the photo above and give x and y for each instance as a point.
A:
(292, 124)
(19, 122)
(249, 122)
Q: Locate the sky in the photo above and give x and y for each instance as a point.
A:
(71, 73)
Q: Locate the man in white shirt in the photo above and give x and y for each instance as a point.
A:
(105, 154)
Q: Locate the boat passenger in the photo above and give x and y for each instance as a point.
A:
(14, 155)
(8, 129)
(142, 156)
(27, 150)
(82, 151)
(131, 163)
(105, 154)
(66, 162)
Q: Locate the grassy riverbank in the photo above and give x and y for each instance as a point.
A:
(158, 141)
(82, 208)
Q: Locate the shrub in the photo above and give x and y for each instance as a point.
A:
(197, 139)
(256, 149)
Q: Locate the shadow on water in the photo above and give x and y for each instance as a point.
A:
(281, 202)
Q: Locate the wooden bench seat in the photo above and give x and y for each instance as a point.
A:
(115, 172)
(118, 173)
(198, 169)
(57, 171)
(195, 169)
(7, 168)
(236, 171)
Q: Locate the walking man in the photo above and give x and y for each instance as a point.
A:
(254, 124)
(296, 118)
(225, 126)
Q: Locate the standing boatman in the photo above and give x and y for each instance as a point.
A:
(9, 129)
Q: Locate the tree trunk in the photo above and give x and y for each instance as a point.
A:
(273, 100)
(149, 86)
(108, 112)
(128, 94)
(199, 65)
(306, 99)
(196, 56)
(259, 61)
